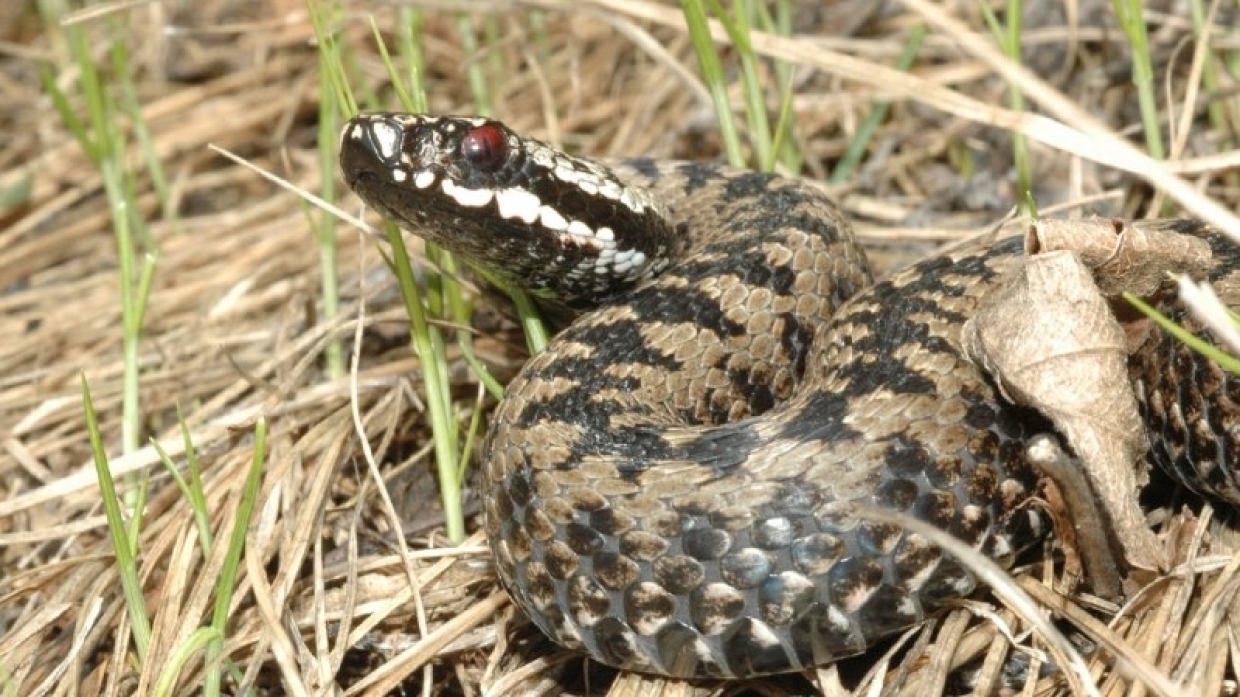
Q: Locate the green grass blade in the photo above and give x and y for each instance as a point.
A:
(191, 488)
(180, 656)
(1226, 361)
(1131, 17)
(736, 24)
(713, 76)
(126, 553)
(851, 159)
(1008, 37)
(227, 582)
(438, 398)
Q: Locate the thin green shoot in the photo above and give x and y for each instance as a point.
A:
(736, 24)
(460, 310)
(131, 104)
(125, 550)
(180, 656)
(226, 585)
(206, 639)
(422, 308)
(1131, 17)
(714, 78)
(471, 436)
(770, 145)
(332, 65)
(102, 138)
(426, 338)
(1205, 348)
(851, 159)
(191, 488)
(410, 36)
(1217, 109)
(788, 155)
(474, 68)
(1008, 36)
(324, 224)
(438, 396)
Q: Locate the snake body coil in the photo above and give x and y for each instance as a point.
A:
(670, 486)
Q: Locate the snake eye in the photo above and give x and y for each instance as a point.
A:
(485, 147)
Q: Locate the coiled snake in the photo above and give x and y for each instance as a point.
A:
(669, 486)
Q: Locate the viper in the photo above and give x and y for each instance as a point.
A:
(672, 485)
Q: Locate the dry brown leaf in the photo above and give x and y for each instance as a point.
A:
(1052, 342)
(1067, 358)
(1125, 256)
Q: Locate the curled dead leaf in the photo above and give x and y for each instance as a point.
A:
(1051, 342)
(1124, 256)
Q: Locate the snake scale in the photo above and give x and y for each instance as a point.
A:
(670, 485)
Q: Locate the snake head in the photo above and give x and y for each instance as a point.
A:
(524, 213)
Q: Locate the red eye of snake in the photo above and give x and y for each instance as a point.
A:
(485, 147)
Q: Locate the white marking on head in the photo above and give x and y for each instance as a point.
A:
(386, 138)
(551, 218)
(580, 229)
(424, 179)
(470, 198)
(399, 175)
(542, 157)
(610, 189)
(519, 204)
(629, 199)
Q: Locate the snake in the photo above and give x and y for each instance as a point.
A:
(672, 485)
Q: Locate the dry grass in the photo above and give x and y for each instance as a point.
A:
(235, 331)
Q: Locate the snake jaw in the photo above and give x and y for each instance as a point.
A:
(558, 226)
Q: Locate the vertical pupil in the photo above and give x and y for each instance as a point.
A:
(484, 146)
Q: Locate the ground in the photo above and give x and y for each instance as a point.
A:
(269, 326)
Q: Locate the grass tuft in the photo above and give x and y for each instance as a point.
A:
(226, 585)
(123, 545)
(846, 166)
(1131, 17)
(769, 144)
(104, 141)
(1009, 37)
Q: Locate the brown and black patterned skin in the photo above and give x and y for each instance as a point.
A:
(670, 486)
(1190, 404)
